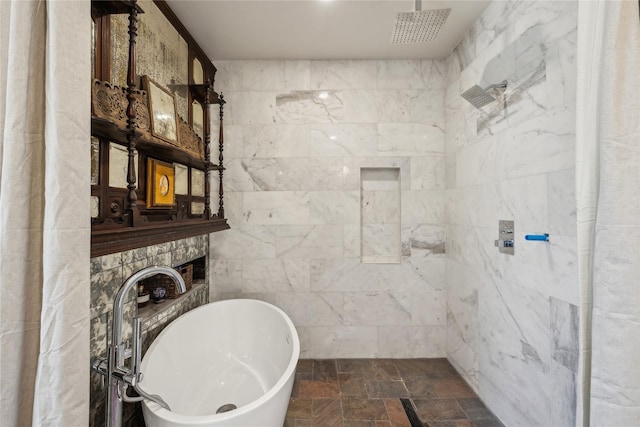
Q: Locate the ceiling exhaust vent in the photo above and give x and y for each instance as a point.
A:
(419, 26)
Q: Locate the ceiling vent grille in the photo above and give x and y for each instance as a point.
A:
(419, 27)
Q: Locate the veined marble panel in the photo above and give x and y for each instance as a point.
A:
(250, 175)
(564, 400)
(352, 241)
(276, 141)
(250, 75)
(334, 207)
(252, 107)
(395, 106)
(312, 309)
(560, 60)
(225, 275)
(514, 352)
(381, 243)
(232, 206)
(561, 197)
(455, 137)
(428, 306)
(297, 75)
(474, 246)
(428, 172)
(257, 240)
(380, 207)
(402, 74)
(312, 241)
(549, 268)
(476, 164)
(377, 308)
(276, 207)
(523, 199)
(565, 334)
(546, 144)
(423, 240)
(350, 275)
(411, 341)
(359, 106)
(450, 171)
(305, 106)
(399, 139)
(343, 140)
(463, 284)
(476, 205)
(274, 276)
(330, 342)
(423, 207)
(343, 74)
(309, 174)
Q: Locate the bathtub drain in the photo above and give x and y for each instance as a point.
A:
(226, 408)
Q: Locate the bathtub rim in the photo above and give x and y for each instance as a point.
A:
(284, 378)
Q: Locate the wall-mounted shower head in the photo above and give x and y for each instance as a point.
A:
(479, 97)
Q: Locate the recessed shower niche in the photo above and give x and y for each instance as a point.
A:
(380, 215)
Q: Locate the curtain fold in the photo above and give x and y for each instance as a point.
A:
(44, 212)
(608, 211)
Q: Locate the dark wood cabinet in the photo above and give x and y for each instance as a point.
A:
(125, 149)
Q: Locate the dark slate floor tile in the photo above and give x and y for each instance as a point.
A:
(438, 410)
(364, 409)
(325, 370)
(388, 389)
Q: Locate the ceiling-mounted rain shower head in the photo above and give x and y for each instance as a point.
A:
(479, 97)
(419, 26)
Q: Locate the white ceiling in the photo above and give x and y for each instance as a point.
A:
(317, 29)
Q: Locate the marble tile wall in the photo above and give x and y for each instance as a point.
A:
(512, 321)
(297, 134)
(108, 273)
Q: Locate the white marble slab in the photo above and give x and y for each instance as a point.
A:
(401, 74)
(249, 107)
(314, 241)
(256, 240)
(300, 106)
(343, 140)
(276, 207)
(308, 174)
(383, 308)
(334, 207)
(343, 74)
(274, 276)
(408, 341)
(331, 342)
(399, 139)
(312, 309)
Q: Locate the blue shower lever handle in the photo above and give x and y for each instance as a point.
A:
(539, 237)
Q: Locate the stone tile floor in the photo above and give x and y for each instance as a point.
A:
(367, 393)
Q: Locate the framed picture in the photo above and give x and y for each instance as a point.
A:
(160, 184)
(162, 109)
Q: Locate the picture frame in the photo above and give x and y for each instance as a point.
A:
(160, 184)
(162, 111)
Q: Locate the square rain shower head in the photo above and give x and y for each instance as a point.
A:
(419, 27)
(477, 96)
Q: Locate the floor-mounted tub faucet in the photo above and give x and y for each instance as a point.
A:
(119, 376)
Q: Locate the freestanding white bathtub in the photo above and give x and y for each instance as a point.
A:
(241, 352)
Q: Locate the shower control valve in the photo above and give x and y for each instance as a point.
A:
(507, 243)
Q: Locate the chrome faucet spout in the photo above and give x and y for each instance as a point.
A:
(119, 377)
(118, 303)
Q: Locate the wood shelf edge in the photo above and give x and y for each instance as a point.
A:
(104, 242)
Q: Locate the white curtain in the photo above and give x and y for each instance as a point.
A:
(608, 195)
(44, 212)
